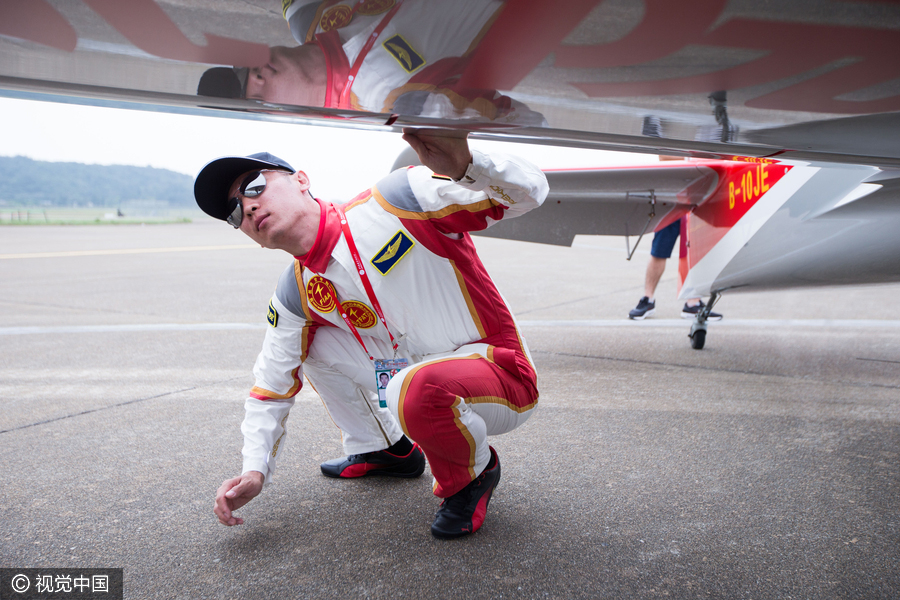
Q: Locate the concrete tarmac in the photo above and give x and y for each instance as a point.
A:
(764, 466)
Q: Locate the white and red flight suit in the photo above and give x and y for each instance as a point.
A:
(469, 375)
(404, 57)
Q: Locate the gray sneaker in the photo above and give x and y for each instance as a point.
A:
(645, 308)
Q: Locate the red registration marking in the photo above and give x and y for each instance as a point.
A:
(754, 159)
(752, 186)
(742, 185)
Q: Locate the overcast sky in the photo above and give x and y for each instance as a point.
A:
(340, 162)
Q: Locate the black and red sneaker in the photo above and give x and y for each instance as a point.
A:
(463, 512)
(380, 462)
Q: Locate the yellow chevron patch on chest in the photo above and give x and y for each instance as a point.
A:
(392, 252)
(399, 48)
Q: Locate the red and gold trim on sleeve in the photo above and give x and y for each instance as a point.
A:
(460, 217)
(483, 32)
(311, 32)
(264, 394)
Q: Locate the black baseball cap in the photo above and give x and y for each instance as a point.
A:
(224, 82)
(213, 180)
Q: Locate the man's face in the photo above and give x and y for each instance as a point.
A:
(285, 79)
(271, 218)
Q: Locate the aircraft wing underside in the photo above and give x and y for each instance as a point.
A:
(619, 201)
(805, 80)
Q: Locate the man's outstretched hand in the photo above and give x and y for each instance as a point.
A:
(236, 492)
(445, 152)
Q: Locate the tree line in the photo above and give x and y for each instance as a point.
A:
(36, 183)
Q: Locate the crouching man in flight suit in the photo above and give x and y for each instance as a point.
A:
(387, 283)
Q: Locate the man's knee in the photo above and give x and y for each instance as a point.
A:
(417, 391)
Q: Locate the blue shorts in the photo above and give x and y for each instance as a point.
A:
(664, 240)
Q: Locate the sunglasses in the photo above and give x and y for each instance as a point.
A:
(253, 185)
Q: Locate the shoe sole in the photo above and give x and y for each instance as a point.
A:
(649, 313)
(377, 473)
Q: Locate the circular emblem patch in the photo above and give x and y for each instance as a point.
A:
(359, 314)
(336, 17)
(321, 294)
(374, 7)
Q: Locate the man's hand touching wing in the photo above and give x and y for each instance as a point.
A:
(235, 493)
(445, 152)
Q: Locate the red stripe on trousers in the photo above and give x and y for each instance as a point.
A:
(428, 414)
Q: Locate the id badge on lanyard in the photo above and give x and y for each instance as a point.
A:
(385, 369)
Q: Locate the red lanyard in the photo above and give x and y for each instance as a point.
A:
(361, 269)
(351, 77)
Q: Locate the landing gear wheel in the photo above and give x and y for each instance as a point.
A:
(698, 328)
(698, 338)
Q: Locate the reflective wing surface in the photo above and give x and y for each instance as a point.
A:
(807, 80)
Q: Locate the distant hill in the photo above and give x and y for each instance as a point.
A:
(36, 183)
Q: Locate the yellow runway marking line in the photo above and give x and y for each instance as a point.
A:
(70, 253)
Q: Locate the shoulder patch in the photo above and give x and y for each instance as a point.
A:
(336, 17)
(272, 317)
(391, 253)
(371, 8)
(321, 294)
(400, 49)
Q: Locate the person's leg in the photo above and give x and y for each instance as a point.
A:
(655, 269)
(341, 373)
(449, 406)
(660, 251)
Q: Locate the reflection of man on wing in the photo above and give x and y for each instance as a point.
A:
(779, 74)
(401, 56)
